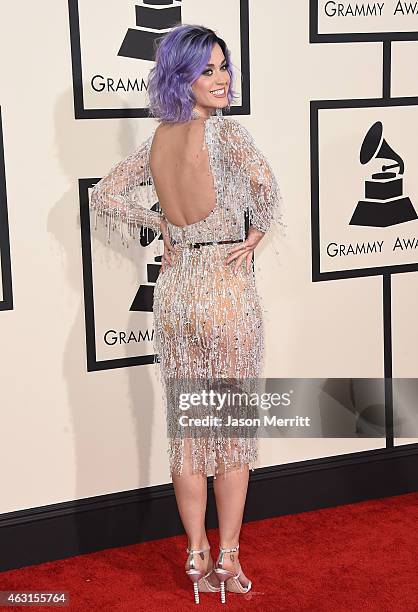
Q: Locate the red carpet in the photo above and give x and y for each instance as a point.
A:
(351, 558)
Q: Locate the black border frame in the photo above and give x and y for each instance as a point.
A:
(93, 364)
(315, 107)
(116, 113)
(346, 37)
(6, 268)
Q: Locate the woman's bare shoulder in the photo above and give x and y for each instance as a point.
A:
(176, 128)
(162, 128)
(161, 135)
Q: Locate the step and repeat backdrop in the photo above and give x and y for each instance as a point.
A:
(328, 91)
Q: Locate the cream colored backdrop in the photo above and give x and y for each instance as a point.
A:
(68, 433)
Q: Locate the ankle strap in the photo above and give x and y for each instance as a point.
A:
(191, 551)
(222, 552)
(229, 550)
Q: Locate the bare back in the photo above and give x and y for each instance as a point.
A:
(181, 172)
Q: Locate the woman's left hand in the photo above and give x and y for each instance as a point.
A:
(245, 250)
(168, 247)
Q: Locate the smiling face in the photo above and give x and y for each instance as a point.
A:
(211, 88)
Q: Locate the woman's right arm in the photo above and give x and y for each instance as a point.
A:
(123, 195)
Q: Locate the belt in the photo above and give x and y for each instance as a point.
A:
(197, 245)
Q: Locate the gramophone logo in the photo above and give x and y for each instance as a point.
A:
(384, 203)
(113, 46)
(153, 17)
(377, 232)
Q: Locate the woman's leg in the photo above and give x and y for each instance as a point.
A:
(230, 495)
(242, 345)
(191, 496)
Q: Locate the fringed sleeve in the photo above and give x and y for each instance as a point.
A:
(124, 196)
(262, 189)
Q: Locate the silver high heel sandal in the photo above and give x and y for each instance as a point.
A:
(227, 577)
(199, 577)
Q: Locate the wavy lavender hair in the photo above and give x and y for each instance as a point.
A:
(180, 59)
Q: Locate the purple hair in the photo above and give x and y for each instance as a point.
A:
(180, 59)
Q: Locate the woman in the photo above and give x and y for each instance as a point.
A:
(205, 171)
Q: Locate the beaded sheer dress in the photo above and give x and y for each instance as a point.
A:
(208, 323)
